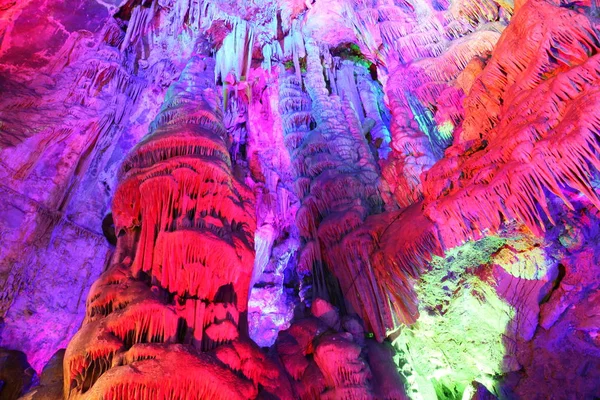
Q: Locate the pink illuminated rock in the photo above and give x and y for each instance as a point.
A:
(331, 363)
(276, 213)
(170, 306)
(326, 313)
(507, 160)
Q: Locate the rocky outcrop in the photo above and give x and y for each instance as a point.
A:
(329, 357)
(16, 375)
(51, 380)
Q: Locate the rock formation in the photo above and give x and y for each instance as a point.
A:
(173, 302)
(343, 199)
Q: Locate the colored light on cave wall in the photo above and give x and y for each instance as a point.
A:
(458, 337)
(471, 300)
(476, 303)
(446, 129)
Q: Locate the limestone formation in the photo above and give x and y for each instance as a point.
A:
(322, 199)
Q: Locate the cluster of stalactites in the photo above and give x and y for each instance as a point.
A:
(394, 249)
(421, 30)
(517, 161)
(179, 180)
(512, 164)
(424, 46)
(135, 331)
(178, 283)
(295, 108)
(506, 164)
(336, 179)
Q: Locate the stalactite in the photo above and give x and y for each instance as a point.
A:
(235, 55)
(424, 49)
(337, 179)
(410, 126)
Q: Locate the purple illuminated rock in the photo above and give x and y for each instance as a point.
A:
(372, 134)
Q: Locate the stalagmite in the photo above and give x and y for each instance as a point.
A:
(171, 300)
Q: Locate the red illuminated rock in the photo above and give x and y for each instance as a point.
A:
(313, 164)
(168, 317)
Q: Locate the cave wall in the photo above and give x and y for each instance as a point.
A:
(428, 169)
